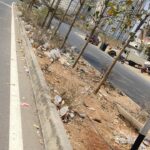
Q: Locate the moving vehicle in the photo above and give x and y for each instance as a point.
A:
(134, 57)
(146, 67)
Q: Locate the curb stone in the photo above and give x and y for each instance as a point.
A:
(54, 134)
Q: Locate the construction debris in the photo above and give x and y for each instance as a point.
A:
(54, 54)
(122, 139)
(64, 111)
(58, 100)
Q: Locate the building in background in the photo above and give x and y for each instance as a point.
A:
(73, 8)
(116, 27)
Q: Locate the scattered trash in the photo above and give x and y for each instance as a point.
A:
(28, 27)
(115, 121)
(55, 91)
(73, 48)
(85, 104)
(97, 120)
(63, 111)
(100, 95)
(41, 142)
(121, 93)
(63, 61)
(25, 104)
(49, 69)
(38, 133)
(26, 69)
(52, 27)
(122, 139)
(57, 100)
(72, 115)
(49, 31)
(46, 46)
(53, 54)
(36, 126)
(23, 98)
(142, 147)
(91, 108)
(146, 142)
(81, 115)
(31, 41)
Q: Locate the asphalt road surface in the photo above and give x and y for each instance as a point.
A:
(16, 120)
(137, 88)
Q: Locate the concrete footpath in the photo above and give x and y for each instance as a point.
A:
(52, 128)
(30, 126)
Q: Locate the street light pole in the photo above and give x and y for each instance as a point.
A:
(141, 136)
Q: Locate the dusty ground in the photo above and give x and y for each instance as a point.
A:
(96, 123)
(102, 122)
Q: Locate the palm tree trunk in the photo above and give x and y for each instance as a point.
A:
(62, 18)
(92, 32)
(115, 61)
(53, 14)
(71, 26)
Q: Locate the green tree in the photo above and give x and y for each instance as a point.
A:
(63, 17)
(97, 22)
(50, 9)
(75, 18)
(53, 14)
(132, 35)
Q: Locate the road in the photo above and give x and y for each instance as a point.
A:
(17, 129)
(127, 81)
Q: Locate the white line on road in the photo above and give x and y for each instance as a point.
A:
(5, 4)
(15, 127)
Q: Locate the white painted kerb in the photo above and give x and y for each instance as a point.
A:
(15, 127)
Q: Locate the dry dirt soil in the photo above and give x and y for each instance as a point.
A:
(102, 123)
(96, 123)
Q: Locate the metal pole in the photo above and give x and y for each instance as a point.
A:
(141, 136)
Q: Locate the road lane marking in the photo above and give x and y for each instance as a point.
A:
(15, 127)
(5, 4)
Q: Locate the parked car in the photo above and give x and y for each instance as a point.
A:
(146, 67)
(134, 58)
(114, 52)
(93, 40)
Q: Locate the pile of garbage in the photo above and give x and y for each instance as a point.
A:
(130, 139)
(66, 113)
(66, 59)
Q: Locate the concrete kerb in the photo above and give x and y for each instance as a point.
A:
(54, 134)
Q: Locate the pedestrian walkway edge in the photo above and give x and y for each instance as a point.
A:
(54, 134)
